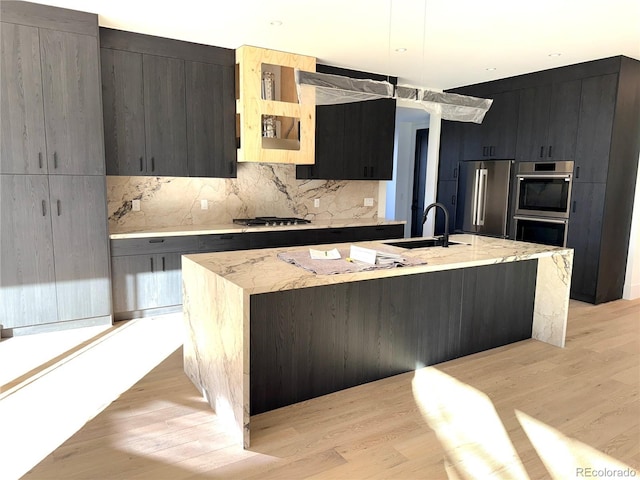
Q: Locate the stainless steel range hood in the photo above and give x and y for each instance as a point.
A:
(326, 89)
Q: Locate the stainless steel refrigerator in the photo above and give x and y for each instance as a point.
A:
(483, 197)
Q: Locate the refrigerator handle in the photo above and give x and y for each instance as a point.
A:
(482, 196)
(476, 193)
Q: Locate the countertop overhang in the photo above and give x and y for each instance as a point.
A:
(260, 271)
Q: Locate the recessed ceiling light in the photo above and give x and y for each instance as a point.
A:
(555, 54)
(401, 50)
(275, 23)
(490, 69)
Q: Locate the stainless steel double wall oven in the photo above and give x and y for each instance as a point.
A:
(543, 202)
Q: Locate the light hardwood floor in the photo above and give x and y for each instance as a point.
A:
(527, 410)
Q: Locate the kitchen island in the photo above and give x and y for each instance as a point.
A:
(262, 333)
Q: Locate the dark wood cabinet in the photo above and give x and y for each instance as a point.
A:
(165, 116)
(548, 122)
(354, 141)
(66, 94)
(312, 341)
(450, 150)
(497, 305)
(495, 137)
(597, 110)
(169, 106)
(588, 113)
(123, 110)
(23, 143)
(210, 120)
(584, 235)
(54, 257)
(27, 276)
(72, 109)
(447, 195)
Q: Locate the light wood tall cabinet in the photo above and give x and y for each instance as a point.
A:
(54, 265)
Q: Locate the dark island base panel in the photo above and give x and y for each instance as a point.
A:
(309, 342)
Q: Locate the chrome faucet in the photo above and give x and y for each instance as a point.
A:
(445, 235)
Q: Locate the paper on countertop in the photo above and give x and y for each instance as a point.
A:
(333, 254)
(368, 255)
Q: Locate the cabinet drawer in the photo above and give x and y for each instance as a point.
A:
(137, 246)
(223, 242)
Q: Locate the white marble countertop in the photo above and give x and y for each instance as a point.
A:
(260, 271)
(183, 230)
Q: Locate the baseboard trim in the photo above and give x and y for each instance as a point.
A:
(56, 326)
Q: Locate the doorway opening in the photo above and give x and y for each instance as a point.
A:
(419, 179)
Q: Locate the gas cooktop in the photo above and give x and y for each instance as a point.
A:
(270, 221)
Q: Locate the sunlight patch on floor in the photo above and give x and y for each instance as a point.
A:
(468, 426)
(567, 458)
(39, 417)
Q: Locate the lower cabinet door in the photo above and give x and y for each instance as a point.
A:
(141, 282)
(80, 239)
(168, 278)
(134, 284)
(27, 279)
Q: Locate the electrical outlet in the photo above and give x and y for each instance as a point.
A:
(368, 202)
(135, 205)
(316, 203)
(204, 204)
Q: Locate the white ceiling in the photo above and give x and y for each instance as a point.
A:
(449, 42)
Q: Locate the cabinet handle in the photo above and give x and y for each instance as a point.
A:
(365, 171)
(453, 199)
(231, 168)
(484, 151)
(573, 207)
(55, 159)
(44, 208)
(163, 268)
(578, 171)
(40, 160)
(226, 237)
(550, 148)
(151, 258)
(153, 164)
(542, 151)
(58, 206)
(455, 172)
(492, 150)
(141, 166)
(156, 240)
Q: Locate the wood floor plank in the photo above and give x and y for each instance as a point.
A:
(587, 393)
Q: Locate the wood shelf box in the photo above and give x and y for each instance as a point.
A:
(293, 124)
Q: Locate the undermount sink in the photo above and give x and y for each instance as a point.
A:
(421, 243)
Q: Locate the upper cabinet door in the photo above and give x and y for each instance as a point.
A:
(23, 148)
(165, 115)
(78, 213)
(548, 122)
(563, 120)
(123, 110)
(210, 98)
(71, 92)
(597, 109)
(27, 278)
(496, 136)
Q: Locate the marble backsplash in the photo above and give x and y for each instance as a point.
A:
(260, 189)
